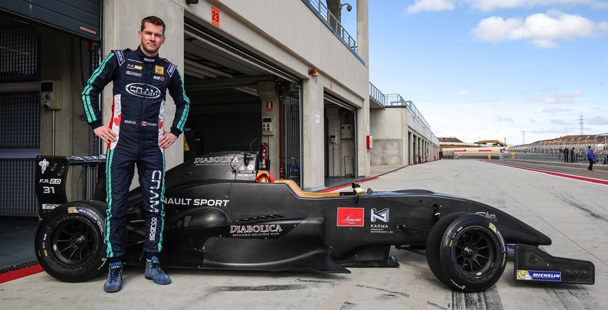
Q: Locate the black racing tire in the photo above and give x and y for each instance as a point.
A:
(70, 241)
(466, 252)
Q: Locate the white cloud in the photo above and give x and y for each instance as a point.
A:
(548, 89)
(559, 98)
(495, 29)
(554, 110)
(598, 120)
(559, 122)
(502, 118)
(462, 93)
(489, 5)
(540, 29)
(554, 130)
(431, 5)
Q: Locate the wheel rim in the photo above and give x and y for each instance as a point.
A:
(474, 252)
(74, 241)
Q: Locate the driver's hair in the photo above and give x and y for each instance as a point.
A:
(153, 20)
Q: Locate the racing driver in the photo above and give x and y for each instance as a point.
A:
(136, 135)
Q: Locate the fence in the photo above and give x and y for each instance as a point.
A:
(601, 158)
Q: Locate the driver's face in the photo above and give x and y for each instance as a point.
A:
(151, 39)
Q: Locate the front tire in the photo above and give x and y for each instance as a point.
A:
(70, 241)
(466, 252)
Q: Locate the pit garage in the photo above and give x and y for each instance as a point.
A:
(45, 51)
(340, 142)
(240, 101)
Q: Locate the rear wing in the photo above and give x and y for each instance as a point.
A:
(51, 177)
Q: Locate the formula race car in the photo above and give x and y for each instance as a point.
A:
(221, 215)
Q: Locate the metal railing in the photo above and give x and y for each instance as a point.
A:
(332, 22)
(554, 150)
(376, 95)
(395, 100)
(573, 158)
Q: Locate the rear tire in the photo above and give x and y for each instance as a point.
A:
(70, 241)
(466, 252)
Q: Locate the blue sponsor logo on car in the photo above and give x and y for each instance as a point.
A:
(533, 275)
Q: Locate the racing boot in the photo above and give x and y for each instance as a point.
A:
(154, 272)
(114, 281)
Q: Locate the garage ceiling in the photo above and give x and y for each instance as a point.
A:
(222, 71)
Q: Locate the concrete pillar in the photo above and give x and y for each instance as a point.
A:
(335, 149)
(269, 97)
(410, 141)
(363, 30)
(363, 130)
(313, 134)
(404, 137)
(418, 147)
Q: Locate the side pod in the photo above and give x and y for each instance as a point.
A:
(534, 265)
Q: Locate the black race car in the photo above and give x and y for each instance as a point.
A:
(221, 215)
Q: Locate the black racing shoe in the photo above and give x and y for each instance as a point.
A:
(114, 281)
(154, 272)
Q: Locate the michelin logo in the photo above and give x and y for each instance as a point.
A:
(531, 275)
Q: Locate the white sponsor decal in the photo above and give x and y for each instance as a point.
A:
(53, 181)
(154, 190)
(143, 90)
(196, 202)
(218, 160)
(49, 206)
(490, 216)
(152, 235)
(43, 165)
(255, 230)
(381, 215)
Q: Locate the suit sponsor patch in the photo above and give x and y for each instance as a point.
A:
(171, 70)
(120, 56)
(133, 73)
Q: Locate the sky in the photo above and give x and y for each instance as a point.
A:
(520, 70)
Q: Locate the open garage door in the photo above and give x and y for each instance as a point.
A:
(341, 140)
(232, 90)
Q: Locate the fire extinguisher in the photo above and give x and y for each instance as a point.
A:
(264, 165)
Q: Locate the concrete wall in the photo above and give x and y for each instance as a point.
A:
(399, 138)
(292, 36)
(390, 139)
(287, 33)
(121, 24)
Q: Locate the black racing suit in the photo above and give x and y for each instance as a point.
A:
(140, 89)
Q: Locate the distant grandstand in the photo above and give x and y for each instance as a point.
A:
(554, 148)
(454, 148)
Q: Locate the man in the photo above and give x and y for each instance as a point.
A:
(566, 151)
(572, 155)
(136, 135)
(591, 158)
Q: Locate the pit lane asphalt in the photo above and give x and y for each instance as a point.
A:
(573, 213)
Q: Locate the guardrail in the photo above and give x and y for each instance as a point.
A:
(580, 158)
(332, 23)
(376, 95)
(575, 159)
(395, 100)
